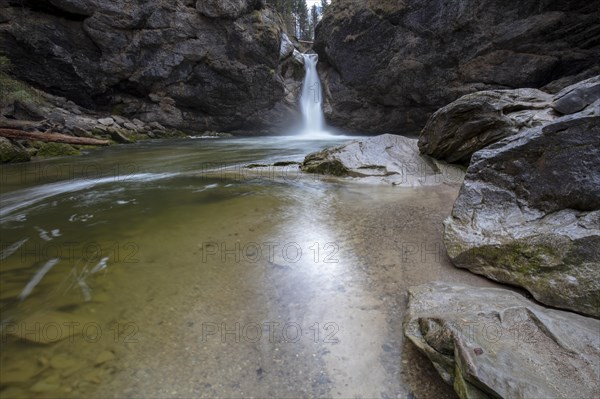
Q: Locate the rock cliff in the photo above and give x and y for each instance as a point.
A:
(387, 65)
(189, 65)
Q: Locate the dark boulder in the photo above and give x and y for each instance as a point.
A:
(471, 123)
(476, 120)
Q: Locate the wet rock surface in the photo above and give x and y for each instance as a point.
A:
(528, 214)
(385, 159)
(477, 120)
(388, 65)
(489, 343)
(12, 152)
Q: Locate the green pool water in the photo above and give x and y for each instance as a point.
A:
(167, 269)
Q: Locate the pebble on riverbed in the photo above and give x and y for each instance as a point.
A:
(26, 329)
(105, 356)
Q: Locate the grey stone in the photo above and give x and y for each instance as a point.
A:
(119, 119)
(138, 123)
(130, 126)
(575, 98)
(156, 126)
(494, 343)
(106, 121)
(286, 48)
(387, 159)
(528, 214)
(476, 120)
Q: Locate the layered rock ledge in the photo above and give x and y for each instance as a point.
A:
(456, 131)
(494, 343)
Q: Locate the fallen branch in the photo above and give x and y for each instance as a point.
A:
(50, 137)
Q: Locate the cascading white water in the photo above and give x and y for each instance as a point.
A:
(311, 100)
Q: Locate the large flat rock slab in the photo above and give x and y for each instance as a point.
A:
(384, 159)
(494, 343)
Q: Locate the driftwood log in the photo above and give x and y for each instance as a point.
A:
(50, 137)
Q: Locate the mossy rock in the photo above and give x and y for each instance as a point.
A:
(118, 109)
(558, 271)
(119, 136)
(256, 165)
(15, 90)
(323, 164)
(86, 147)
(328, 167)
(10, 153)
(57, 150)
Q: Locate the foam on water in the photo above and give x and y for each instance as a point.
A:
(24, 198)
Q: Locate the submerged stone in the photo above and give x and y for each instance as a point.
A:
(50, 327)
(18, 371)
(63, 361)
(56, 150)
(105, 356)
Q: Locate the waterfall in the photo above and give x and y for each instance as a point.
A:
(311, 100)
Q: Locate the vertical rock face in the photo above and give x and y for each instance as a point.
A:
(192, 65)
(388, 64)
(227, 8)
